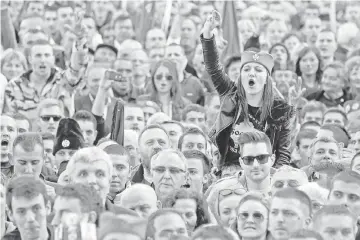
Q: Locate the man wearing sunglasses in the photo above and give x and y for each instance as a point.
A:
(256, 160)
(50, 114)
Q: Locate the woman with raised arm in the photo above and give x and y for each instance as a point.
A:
(248, 104)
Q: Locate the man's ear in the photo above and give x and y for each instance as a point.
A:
(158, 204)
(10, 215)
(206, 178)
(96, 133)
(341, 145)
(92, 217)
(273, 158)
(308, 222)
(242, 163)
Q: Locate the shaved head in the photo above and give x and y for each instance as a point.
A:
(140, 198)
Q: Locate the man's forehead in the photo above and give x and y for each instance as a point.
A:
(7, 120)
(163, 160)
(21, 201)
(153, 133)
(43, 48)
(285, 203)
(348, 187)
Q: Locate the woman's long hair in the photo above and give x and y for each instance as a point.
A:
(201, 206)
(175, 91)
(302, 53)
(267, 100)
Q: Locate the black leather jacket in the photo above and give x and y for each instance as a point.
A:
(279, 122)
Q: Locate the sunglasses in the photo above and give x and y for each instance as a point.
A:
(167, 77)
(46, 118)
(262, 159)
(258, 217)
(227, 192)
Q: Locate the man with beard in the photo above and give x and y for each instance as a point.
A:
(290, 211)
(29, 205)
(123, 29)
(8, 134)
(131, 144)
(152, 140)
(93, 167)
(323, 150)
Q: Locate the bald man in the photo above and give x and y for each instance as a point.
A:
(140, 198)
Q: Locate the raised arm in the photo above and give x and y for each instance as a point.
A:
(221, 81)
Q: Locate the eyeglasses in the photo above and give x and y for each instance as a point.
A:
(172, 170)
(262, 159)
(46, 118)
(161, 76)
(227, 192)
(257, 216)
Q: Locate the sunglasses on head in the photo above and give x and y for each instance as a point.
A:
(262, 159)
(227, 192)
(47, 118)
(161, 76)
(257, 216)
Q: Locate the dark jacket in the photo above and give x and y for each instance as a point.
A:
(15, 235)
(320, 97)
(279, 122)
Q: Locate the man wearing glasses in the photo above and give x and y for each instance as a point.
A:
(168, 171)
(256, 160)
(50, 113)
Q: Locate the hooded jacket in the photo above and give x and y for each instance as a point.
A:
(279, 121)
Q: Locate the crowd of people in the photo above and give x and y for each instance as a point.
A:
(179, 119)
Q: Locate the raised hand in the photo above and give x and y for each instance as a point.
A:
(213, 21)
(105, 83)
(296, 92)
(78, 28)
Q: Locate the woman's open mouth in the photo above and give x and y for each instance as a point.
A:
(251, 82)
(4, 144)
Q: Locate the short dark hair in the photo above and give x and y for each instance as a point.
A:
(19, 116)
(230, 60)
(194, 131)
(305, 134)
(28, 187)
(253, 137)
(292, 193)
(201, 206)
(214, 231)
(347, 177)
(337, 110)
(340, 133)
(306, 233)
(333, 210)
(199, 155)
(192, 108)
(28, 141)
(88, 196)
(312, 106)
(150, 228)
(84, 115)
